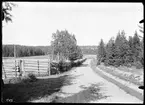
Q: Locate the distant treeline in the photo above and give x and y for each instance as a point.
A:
(22, 51)
(89, 50)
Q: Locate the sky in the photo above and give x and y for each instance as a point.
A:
(34, 22)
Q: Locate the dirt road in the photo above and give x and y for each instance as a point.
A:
(83, 85)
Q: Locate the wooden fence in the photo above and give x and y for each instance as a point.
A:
(16, 68)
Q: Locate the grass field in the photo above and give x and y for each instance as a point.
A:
(130, 77)
(29, 57)
(43, 57)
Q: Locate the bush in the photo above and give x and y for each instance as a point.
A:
(15, 80)
(64, 66)
(98, 63)
(53, 71)
(32, 77)
(53, 68)
(112, 62)
(25, 79)
(127, 64)
(78, 63)
(75, 56)
(29, 78)
(60, 67)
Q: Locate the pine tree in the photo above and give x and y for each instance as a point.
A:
(111, 53)
(141, 53)
(136, 47)
(130, 50)
(122, 47)
(101, 53)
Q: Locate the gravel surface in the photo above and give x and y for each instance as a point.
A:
(84, 77)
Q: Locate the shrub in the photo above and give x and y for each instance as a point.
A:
(78, 63)
(53, 68)
(98, 63)
(32, 77)
(128, 64)
(60, 66)
(15, 80)
(76, 55)
(29, 78)
(64, 66)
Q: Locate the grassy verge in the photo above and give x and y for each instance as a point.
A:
(129, 78)
(130, 69)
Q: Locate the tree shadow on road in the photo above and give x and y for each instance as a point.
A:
(91, 93)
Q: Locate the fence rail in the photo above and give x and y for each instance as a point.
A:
(15, 68)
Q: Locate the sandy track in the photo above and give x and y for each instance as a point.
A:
(84, 76)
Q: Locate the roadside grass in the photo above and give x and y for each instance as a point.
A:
(130, 69)
(130, 78)
(26, 90)
(91, 93)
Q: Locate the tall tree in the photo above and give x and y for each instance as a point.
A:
(111, 52)
(130, 50)
(136, 46)
(101, 53)
(141, 54)
(122, 47)
(64, 44)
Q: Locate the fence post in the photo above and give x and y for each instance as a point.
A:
(49, 66)
(38, 68)
(15, 69)
(22, 67)
(4, 70)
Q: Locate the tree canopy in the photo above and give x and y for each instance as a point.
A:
(65, 46)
